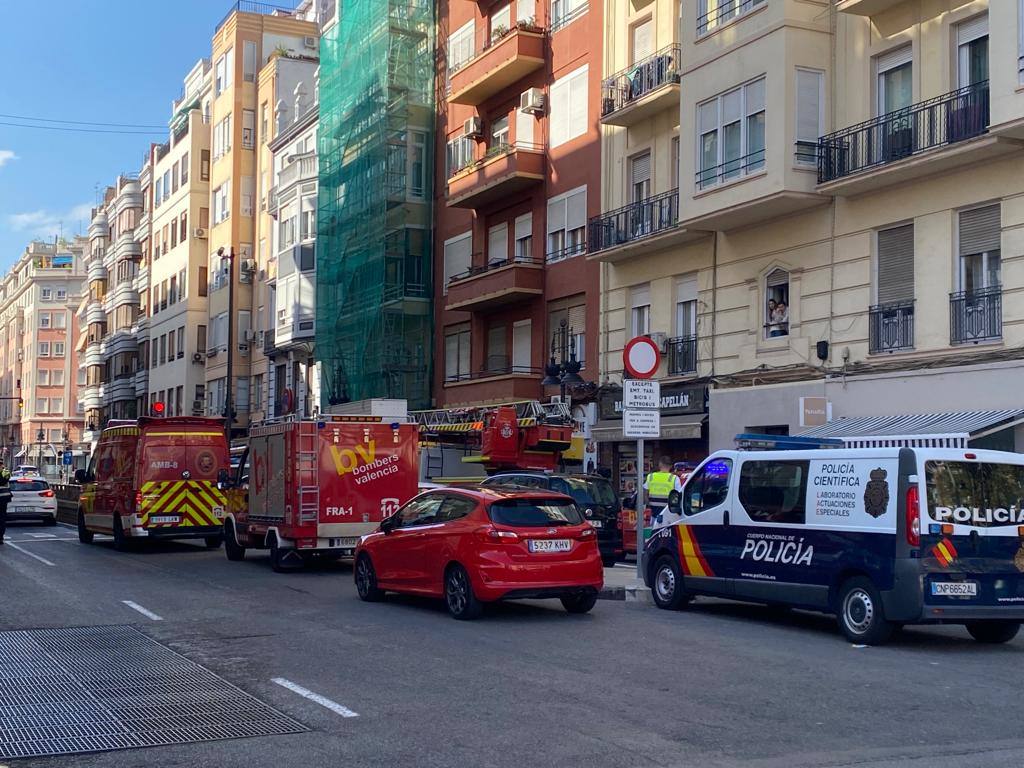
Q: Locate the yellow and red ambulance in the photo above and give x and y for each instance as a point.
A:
(155, 478)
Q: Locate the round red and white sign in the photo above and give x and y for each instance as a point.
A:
(641, 357)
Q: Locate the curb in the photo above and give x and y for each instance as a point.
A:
(612, 593)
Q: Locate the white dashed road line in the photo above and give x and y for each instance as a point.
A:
(147, 613)
(24, 551)
(323, 701)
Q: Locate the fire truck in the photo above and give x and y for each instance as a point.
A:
(305, 488)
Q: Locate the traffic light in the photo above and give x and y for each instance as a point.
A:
(21, 403)
(158, 408)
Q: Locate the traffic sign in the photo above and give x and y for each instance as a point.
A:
(641, 393)
(641, 423)
(641, 357)
(68, 458)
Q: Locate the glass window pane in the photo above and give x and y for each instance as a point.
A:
(755, 141)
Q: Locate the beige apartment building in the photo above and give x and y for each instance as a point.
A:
(242, 45)
(849, 223)
(38, 328)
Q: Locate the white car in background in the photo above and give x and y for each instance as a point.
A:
(25, 470)
(32, 499)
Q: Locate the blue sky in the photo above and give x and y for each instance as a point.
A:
(111, 61)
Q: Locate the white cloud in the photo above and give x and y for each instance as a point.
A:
(6, 156)
(46, 223)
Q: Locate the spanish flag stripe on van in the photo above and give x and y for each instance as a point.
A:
(691, 558)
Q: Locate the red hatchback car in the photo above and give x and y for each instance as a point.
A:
(476, 545)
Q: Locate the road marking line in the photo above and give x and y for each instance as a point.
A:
(42, 560)
(315, 697)
(148, 614)
(42, 536)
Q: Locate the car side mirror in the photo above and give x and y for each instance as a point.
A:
(81, 476)
(388, 524)
(223, 480)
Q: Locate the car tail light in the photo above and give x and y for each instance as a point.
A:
(47, 494)
(494, 535)
(913, 517)
(586, 533)
(138, 500)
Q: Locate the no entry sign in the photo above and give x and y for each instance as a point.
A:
(641, 357)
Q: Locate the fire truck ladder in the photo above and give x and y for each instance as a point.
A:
(442, 421)
(307, 454)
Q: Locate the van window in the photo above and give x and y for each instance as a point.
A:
(708, 487)
(981, 495)
(774, 491)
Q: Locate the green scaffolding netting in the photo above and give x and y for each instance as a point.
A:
(374, 318)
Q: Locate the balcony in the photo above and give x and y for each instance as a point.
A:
(505, 170)
(891, 327)
(682, 356)
(497, 381)
(976, 316)
(866, 7)
(140, 380)
(937, 135)
(268, 343)
(293, 330)
(643, 89)
(646, 225)
(722, 12)
(96, 270)
(501, 63)
(297, 169)
(493, 285)
(127, 247)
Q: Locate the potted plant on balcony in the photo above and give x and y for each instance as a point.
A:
(499, 32)
(528, 24)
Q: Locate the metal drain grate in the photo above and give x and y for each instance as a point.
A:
(92, 689)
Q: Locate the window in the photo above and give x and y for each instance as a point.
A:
(575, 317)
(497, 244)
(57, 377)
(562, 12)
(642, 35)
(256, 391)
(731, 140)
(163, 349)
(62, 294)
(640, 177)
(895, 80)
(456, 353)
(249, 61)
(526, 10)
(174, 178)
(225, 73)
(56, 405)
(686, 307)
(248, 129)
(204, 218)
(167, 184)
(56, 436)
(497, 354)
(248, 187)
(157, 192)
(171, 339)
(459, 154)
(972, 51)
(461, 46)
(307, 220)
(774, 491)
(674, 163)
(501, 21)
(241, 393)
(201, 338)
(264, 122)
(458, 253)
(456, 508)
(44, 349)
(567, 224)
(810, 114)
(222, 137)
(522, 352)
(895, 278)
(980, 255)
(421, 511)
(776, 318)
(204, 165)
(42, 405)
(42, 378)
(47, 294)
(568, 113)
(184, 169)
(708, 488)
(58, 349)
(174, 235)
(183, 226)
(44, 319)
(417, 170)
(640, 301)
(712, 14)
(499, 132)
(222, 202)
(524, 237)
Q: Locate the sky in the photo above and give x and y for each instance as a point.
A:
(108, 61)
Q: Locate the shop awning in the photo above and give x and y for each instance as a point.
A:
(923, 430)
(686, 427)
(80, 344)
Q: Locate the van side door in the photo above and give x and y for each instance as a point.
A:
(705, 540)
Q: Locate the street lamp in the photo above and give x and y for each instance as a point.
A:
(40, 437)
(565, 372)
(229, 412)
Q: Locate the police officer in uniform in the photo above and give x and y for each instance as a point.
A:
(664, 490)
(5, 496)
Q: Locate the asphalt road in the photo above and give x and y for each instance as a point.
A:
(528, 685)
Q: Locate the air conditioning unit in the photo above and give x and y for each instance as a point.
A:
(243, 349)
(532, 100)
(197, 357)
(310, 42)
(250, 335)
(212, 352)
(199, 232)
(659, 338)
(197, 407)
(473, 128)
(248, 265)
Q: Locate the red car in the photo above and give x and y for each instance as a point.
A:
(476, 545)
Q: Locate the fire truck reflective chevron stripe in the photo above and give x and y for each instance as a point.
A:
(185, 502)
(690, 556)
(472, 426)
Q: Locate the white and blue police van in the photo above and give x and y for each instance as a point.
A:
(879, 537)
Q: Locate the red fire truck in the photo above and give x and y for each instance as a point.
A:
(305, 488)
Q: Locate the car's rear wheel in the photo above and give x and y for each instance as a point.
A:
(232, 548)
(581, 603)
(120, 540)
(993, 631)
(667, 585)
(458, 594)
(609, 561)
(366, 580)
(84, 534)
(50, 520)
(861, 617)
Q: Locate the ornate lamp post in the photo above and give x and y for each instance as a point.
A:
(563, 369)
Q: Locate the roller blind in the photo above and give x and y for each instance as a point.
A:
(641, 168)
(497, 243)
(576, 213)
(808, 104)
(979, 230)
(686, 289)
(894, 59)
(896, 264)
(577, 317)
(972, 30)
(640, 295)
(524, 226)
(643, 40)
(556, 215)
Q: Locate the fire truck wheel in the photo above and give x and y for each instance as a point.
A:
(275, 555)
(366, 581)
(232, 548)
(609, 561)
(120, 540)
(213, 542)
(458, 594)
(84, 534)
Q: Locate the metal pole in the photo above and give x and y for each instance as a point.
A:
(640, 509)
(228, 399)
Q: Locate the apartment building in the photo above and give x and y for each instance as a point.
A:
(173, 337)
(854, 168)
(519, 134)
(284, 377)
(38, 326)
(242, 44)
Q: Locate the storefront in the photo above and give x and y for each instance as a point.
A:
(684, 432)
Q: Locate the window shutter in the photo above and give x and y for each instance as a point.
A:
(576, 212)
(686, 289)
(979, 230)
(556, 215)
(457, 255)
(524, 226)
(641, 295)
(894, 59)
(643, 40)
(524, 127)
(972, 29)
(451, 355)
(464, 352)
(577, 105)
(497, 244)
(896, 264)
(558, 115)
(640, 170)
(577, 317)
(525, 10)
(808, 105)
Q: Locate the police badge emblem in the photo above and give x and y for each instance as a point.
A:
(876, 494)
(1018, 560)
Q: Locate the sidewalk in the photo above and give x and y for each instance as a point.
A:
(620, 583)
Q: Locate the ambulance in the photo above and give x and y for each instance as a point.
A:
(310, 488)
(155, 478)
(878, 537)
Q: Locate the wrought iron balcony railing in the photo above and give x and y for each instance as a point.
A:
(947, 119)
(891, 327)
(976, 315)
(722, 12)
(479, 269)
(682, 355)
(639, 79)
(730, 169)
(635, 221)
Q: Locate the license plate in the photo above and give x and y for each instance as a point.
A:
(549, 545)
(218, 512)
(596, 523)
(157, 519)
(955, 588)
(348, 542)
(22, 510)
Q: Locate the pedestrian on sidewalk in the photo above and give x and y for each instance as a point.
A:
(661, 486)
(5, 497)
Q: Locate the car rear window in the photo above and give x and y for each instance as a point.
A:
(585, 490)
(979, 494)
(29, 485)
(534, 513)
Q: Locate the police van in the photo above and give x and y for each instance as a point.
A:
(879, 537)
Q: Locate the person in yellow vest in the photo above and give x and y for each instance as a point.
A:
(5, 497)
(661, 486)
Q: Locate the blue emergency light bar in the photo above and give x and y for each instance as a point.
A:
(751, 441)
